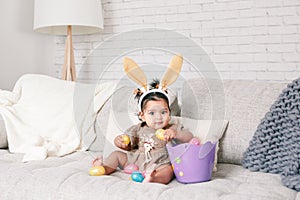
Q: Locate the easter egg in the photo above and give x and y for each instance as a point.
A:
(97, 171)
(126, 139)
(137, 177)
(160, 134)
(131, 168)
(195, 141)
(177, 160)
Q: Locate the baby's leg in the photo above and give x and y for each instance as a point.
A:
(112, 162)
(163, 174)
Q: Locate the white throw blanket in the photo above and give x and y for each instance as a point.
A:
(45, 116)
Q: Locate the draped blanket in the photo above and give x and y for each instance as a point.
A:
(275, 146)
(45, 116)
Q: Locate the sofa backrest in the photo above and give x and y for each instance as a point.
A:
(242, 102)
(3, 137)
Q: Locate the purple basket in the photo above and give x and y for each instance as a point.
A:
(192, 163)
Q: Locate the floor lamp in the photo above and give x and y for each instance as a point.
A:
(68, 17)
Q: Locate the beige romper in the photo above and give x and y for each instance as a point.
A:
(148, 152)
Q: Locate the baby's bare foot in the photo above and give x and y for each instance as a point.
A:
(97, 161)
(149, 176)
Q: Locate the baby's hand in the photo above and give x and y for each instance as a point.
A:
(122, 141)
(169, 134)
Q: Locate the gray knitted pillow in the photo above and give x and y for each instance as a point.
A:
(275, 146)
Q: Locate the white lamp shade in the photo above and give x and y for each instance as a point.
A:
(53, 16)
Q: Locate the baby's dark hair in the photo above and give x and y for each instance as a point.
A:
(152, 96)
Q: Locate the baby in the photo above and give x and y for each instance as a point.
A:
(145, 150)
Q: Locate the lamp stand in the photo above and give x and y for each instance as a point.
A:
(69, 72)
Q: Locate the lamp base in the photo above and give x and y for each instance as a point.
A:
(68, 72)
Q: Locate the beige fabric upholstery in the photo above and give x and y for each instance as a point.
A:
(67, 178)
(3, 137)
(243, 103)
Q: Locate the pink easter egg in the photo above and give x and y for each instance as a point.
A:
(131, 168)
(195, 141)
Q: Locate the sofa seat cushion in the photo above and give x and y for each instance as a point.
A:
(67, 178)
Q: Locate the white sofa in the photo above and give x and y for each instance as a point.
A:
(66, 177)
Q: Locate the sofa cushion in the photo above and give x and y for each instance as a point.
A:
(51, 117)
(67, 178)
(275, 146)
(242, 102)
(3, 137)
(100, 127)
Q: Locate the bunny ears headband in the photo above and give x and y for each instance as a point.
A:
(135, 73)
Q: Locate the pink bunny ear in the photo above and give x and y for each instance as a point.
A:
(172, 72)
(134, 72)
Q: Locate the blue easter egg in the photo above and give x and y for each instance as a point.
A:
(137, 177)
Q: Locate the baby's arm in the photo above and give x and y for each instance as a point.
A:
(119, 142)
(181, 134)
(132, 134)
(184, 135)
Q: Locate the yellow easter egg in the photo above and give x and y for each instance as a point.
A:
(160, 134)
(180, 173)
(97, 171)
(126, 139)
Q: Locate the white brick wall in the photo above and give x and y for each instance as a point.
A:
(245, 39)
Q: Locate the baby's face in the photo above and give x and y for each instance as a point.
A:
(156, 114)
